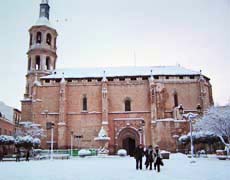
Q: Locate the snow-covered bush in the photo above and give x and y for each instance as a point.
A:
(6, 140)
(26, 142)
(36, 142)
(217, 121)
(30, 129)
(199, 137)
(122, 152)
(84, 152)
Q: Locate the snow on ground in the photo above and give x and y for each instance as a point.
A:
(115, 168)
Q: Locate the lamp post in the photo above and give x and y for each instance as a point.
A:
(52, 143)
(190, 116)
(50, 125)
(181, 109)
(176, 138)
(141, 130)
(71, 144)
(199, 109)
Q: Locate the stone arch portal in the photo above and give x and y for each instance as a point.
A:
(128, 139)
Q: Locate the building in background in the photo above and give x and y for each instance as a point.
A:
(9, 119)
(131, 105)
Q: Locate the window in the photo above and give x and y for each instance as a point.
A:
(175, 97)
(39, 38)
(0, 131)
(181, 77)
(29, 63)
(37, 63)
(84, 103)
(55, 40)
(127, 104)
(5, 132)
(48, 39)
(133, 78)
(31, 39)
(47, 63)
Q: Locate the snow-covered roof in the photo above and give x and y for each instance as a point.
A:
(120, 72)
(45, 2)
(6, 111)
(43, 21)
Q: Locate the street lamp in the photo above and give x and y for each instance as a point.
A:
(71, 144)
(50, 125)
(199, 109)
(176, 138)
(141, 130)
(181, 109)
(190, 116)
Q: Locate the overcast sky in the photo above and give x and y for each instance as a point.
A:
(192, 33)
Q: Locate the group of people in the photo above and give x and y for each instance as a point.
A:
(152, 155)
(18, 155)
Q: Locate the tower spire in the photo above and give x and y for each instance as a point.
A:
(44, 9)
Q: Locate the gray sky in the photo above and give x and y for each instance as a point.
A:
(193, 33)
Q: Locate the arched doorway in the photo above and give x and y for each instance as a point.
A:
(128, 139)
(129, 145)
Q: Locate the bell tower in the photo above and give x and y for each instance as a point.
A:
(42, 54)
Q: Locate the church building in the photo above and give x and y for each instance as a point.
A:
(122, 106)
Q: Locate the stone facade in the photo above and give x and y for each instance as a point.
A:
(6, 127)
(132, 109)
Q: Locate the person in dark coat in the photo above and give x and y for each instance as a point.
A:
(157, 159)
(138, 155)
(1, 155)
(18, 155)
(149, 157)
(28, 155)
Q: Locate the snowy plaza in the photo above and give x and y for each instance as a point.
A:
(178, 167)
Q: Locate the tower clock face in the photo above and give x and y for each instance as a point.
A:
(43, 10)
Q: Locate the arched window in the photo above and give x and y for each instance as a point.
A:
(48, 39)
(31, 39)
(84, 104)
(29, 63)
(175, 97)
(37, 63)
(55, 41)
(39, 38)
(127, 104)
(47, 63)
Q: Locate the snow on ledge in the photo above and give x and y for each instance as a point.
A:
(43, 21)
(128, 119)
(61, 124)
(168, 120)
(102, 138)
(105, 122)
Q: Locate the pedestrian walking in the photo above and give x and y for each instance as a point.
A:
(28, 155)
(149, 157)
(157, 159)
(138, 155)
(18, 155)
